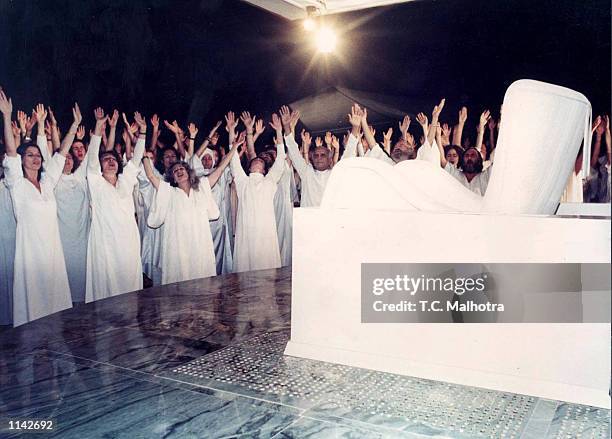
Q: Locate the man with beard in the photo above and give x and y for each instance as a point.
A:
(471, 173)
(313, 175)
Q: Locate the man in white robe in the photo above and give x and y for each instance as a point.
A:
(113, 254)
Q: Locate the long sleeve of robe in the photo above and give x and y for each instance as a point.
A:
(187, 249)
(350, 149)
(40, 283)
(113, 252)
(256, 244)
(313, 182)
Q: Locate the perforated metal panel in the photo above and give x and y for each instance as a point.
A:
(258, 365)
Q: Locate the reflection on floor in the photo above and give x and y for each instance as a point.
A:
(204, 359)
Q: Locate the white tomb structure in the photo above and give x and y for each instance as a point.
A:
(414, 212)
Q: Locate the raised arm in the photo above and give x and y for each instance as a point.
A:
(259, 129)
(435, 121)
(6, 107)
(93, 159)
(608, 139)
(482, 123)
(286, 117)
(209, 140)
(155, 133)
(491, 125)
(458, 131)
(193, 132)
(249, 124)
(367, 133)
(112, 130)
(306, 142)
(148, 168)
(218, 172)
(424, 122)
(69, 138)
(387, 140)
(230, 126)
(276, 171)
(354, 118)
(403, 127)
(174, 127)
(54, 130)
(139, 149)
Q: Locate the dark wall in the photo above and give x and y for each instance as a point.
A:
(196, 59)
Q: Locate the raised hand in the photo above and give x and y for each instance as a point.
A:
(80, 134)
(259, 127)
(142, 123)
(600, 128)
(231, 123)
(335, 143)
(174, 127)
(248, 121)
(214, 139)
(606, 122)
(295, 116)
(404, 125)
(193, 130)
(387, 140)
(277, 122)
(328, 139)
(155, 122)
(306, 138)
(112, 121)
(446, 131)
(484, 118)
(422, 119)
(77, 117)
(6, 104)
(22, 118)
(491, 124)
(241, 138)
(438, 109)
(409, 139)
(318, 142)
(30, 122)
(99, 114)
(52, 119)
(285, 117)
(41, 114)
(355, 116)
(463, 114)
(15, 128)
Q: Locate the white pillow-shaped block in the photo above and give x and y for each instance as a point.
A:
(542, 127)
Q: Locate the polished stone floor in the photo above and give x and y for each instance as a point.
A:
(203, 359)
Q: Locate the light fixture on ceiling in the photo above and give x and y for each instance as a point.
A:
(309, 22)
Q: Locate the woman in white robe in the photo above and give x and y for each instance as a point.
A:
(113, 252)
(73, 212)
(184, 204)
(40, 285)
(256, 243)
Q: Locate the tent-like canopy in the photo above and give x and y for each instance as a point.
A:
(328, 110)
(296, 9)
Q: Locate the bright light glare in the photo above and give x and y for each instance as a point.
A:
(309, 24)
(326, 40)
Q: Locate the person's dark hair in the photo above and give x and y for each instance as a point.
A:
(194, 180)
(457, 148)
(114, 154)
(21, 150)
(479, 164)
(159, 163)
(266, 167)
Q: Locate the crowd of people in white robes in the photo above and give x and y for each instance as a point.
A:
(83, 220)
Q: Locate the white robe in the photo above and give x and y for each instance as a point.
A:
(221, 227)
(40, 285)
(479, 183)
(150, 239)
(113, 253)
(7, 254)
(313, 182)
(74, 220)
(283, 211)
(187, 250)
(256, 244)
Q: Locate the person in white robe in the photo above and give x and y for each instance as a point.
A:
(184, 204)
(313, 175)
(204, 165)
(113, 252)
(283, 204)
(256, 243)
(73, 211)
(40, 283)
(151, 237)
(7, 254)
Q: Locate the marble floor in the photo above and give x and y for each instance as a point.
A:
(203, 359)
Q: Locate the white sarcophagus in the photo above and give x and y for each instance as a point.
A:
(415, 213)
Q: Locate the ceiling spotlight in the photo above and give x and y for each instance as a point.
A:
(326, 40)
(309, 22)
